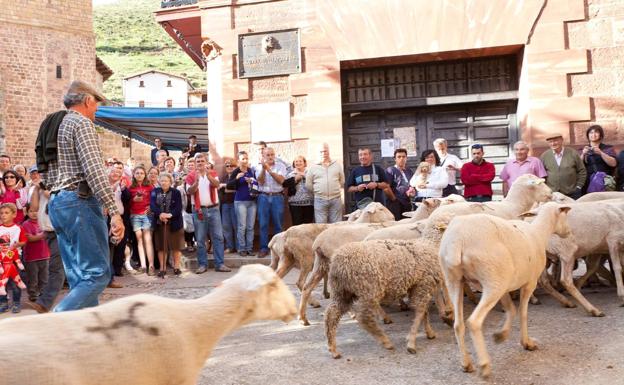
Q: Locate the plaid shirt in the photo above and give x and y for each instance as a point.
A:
(80, 159)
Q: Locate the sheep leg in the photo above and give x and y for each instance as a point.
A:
(365, 316)
(444, 305)
(470, 294)
(333, 313)
(456, 292)
(489, 298)
(614, 251)
(592, 263)
(606, 275)
(567, 265)
(303, 274)
(544, 281)
(317, 275)
(419, 304)
(510, 313)
(383, 315)
(325, 291)
(566, 280)
(525, 294)
(284, 267)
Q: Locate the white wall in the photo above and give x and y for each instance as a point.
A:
(155, 92)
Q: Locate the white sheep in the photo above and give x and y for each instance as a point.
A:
(363, 274)
(500, 256)
(596, 229)
(600, 196)
(373, 212)
(141, 339)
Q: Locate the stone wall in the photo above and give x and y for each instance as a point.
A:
(35, 38)
(602, 34)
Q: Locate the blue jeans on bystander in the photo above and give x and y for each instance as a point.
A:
(82, 237)
(246, 219)
(16, 294)
(269, 207)
(228, 219)
(211, 222)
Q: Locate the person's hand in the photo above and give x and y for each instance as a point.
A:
(586, 150)
(20, 265)
(597, 150)
(361, 187)
(117, 226)
(298, 177)
(371, 185)
(240, 175)
(451, 167)
(122, 184)
(410, 192)
(138, 198)
(248, 179)
(163, 217)
(222, 185)
(266, 166)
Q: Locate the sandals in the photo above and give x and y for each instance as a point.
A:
(162, 273)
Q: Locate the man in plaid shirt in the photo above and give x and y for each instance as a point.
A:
(79, 188)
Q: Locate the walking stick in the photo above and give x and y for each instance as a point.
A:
(165, 240)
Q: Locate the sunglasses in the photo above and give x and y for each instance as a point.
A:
(9, 177)
(228, 165)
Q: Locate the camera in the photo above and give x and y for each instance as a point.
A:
(590, 151)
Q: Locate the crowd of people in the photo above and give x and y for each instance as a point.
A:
(152, 213)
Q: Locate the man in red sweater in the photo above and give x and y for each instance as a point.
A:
(477, 177)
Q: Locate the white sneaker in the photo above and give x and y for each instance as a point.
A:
(128, 267)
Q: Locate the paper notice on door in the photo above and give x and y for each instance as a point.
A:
(387, 148)
(406, 139)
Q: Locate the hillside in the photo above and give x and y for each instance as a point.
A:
(129, 40)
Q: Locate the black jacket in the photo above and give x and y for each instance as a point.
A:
(46, 144)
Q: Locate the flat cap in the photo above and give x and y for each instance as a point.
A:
(554, 136)
(78, 87)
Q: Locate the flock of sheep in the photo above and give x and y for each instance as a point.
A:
(449, 248)
(444, 250)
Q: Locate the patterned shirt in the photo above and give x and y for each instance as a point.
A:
(80, 159)
(270, 185)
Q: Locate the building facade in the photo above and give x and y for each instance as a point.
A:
(156, 89)
(487, 72)
(44, 46)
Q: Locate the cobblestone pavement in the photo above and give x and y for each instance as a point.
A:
(574, 348)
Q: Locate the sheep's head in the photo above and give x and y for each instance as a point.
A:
(375, 212)
(559, 212)
(560, 198)
(531, 186)
(273, 300)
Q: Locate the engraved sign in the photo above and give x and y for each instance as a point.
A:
(269, 53)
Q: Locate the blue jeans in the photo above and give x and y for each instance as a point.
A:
(16, 294)
(82, 237)
(211, 222)
(269, 207)
(228, 218)
(246, 219)
(327, 210)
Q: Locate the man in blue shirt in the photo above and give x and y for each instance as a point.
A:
(367, 180)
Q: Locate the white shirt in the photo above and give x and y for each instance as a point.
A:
(450, 160)
(204, 192)
(558, 157)
(437, 181)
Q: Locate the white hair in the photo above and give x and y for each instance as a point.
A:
(438, 141)
(521, 143)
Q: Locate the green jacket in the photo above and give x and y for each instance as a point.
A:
(569, 175)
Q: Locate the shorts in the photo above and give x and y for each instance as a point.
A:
(140, 222)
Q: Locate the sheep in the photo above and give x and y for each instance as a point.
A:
(596, 229)
(324, 246)
(501, 256)
(370, 272)
(600, 196)
(81, 347)
(374, 212)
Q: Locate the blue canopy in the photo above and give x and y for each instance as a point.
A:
(172, 125)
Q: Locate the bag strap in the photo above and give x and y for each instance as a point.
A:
(374, 175)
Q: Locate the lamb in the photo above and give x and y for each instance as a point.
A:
(374, 212)
(600, 196)
(589, 236)
(367, 273)
(501, 256)
(152, 331)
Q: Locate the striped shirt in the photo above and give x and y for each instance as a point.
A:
(80, 159)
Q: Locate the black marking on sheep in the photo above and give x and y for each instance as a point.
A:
(129, 322)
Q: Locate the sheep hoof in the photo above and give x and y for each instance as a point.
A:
(411, 350)
(449, 320)
(597, 313)
(485, 370)
(403, 306)
(336, 355)
(535, 301)
(388, 345)
(530, 345)
(387, 320)
(500, 337)
(304, 322)
(569, 305)
(431, 336)
(326, 295)
(468, 368)
(315, 305)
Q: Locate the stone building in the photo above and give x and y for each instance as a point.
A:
(44, 45)
(356, 72)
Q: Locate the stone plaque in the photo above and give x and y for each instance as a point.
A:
(269, 53)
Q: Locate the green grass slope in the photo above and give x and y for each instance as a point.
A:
(129, 41)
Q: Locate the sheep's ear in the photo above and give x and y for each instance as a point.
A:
(433, 202)
(441, 226)
(527, 214)
(416, 228)
(536, 181)
(565, 209)
(408, 214)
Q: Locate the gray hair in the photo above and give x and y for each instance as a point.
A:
(521, 143)
(166, 175)
(71, 100)
(438, 141)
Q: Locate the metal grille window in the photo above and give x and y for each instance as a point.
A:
(493, 74)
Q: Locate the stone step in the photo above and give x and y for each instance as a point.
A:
(189, 262)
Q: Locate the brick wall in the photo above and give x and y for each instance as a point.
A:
(35, 38)
(602, 34)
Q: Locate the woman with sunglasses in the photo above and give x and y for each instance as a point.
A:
(10, 192)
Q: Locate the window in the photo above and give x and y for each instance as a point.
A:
(141, 83)
(59, 72)
(204, 98)
(125, 142)
(168, 83)
(169, 103)
(141, 103)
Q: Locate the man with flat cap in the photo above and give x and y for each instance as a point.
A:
(80, 189)
(565, 169)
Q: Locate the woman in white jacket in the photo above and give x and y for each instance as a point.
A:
(435, 183)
